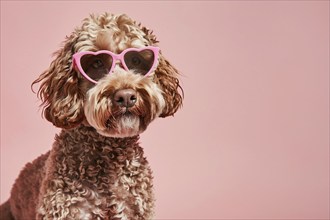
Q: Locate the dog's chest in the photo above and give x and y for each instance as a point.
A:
(126, 198)
(106, 180)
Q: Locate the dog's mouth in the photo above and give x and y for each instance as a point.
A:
(123, 124)
(111, 123)
(119, 114)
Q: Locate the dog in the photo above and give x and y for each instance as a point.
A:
(106, 84)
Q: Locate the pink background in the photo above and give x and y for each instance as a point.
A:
(252, 140)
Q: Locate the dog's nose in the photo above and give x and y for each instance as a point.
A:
(125, 98)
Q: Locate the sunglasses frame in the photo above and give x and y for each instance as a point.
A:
(115, 57)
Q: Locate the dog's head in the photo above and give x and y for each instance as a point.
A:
(111, 75)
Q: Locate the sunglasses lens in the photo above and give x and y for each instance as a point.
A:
(140, 61)
(96, 66)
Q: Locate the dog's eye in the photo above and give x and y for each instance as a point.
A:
(136, 60)
(97, 64)
(140, 61)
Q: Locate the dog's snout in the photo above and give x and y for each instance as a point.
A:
(125, 98)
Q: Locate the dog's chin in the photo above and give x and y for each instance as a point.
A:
(127, 125)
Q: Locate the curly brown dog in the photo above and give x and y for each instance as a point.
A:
(104, 87)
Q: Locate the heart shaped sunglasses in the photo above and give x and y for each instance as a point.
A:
(95, 65)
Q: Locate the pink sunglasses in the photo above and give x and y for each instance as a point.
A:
(95, 65)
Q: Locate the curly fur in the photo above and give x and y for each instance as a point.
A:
(96, 168)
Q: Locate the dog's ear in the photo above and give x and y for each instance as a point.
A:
(167, 78)
(61, 98)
